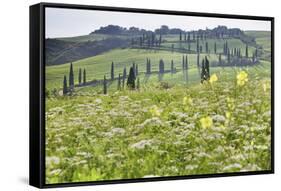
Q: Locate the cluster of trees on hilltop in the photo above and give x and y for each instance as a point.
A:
(218, 32)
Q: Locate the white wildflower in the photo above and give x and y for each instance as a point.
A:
(142, 144)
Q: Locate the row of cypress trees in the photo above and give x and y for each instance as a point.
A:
(70, 86)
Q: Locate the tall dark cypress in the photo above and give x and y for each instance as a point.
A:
(198, 59)
(138, 83)
(104, 85)
(124, 72)
(148, 70)
(71, 76)
(198, 48)
(220, 63)
(84, 76)
(180, 36)
(119, 82)
(161, 66)
(256, 53)
(183, 62)
(207, 65)
(205, 72)
(206, 47)
(246, 51)
(124, 76)
(134, 68)
(186, 62)
(131, 79)
(172, 66)
(215, 48)
(80, 76)
(64, 91)
(226, 47)
(112, 71)
(228, 56)
(160, 40)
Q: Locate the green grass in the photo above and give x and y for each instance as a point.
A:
(263, 38)
(90, 37)
(152, 132)
(160, 129)
(98, 66)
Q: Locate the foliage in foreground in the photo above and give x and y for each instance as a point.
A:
(219, 126)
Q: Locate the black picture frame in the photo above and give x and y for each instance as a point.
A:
(37, 94)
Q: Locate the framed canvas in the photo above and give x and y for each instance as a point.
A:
(121, 95)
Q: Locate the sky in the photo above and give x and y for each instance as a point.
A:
(63, 22)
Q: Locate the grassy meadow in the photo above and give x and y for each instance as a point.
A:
(169, 127)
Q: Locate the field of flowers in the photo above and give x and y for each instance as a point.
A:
(223, 125)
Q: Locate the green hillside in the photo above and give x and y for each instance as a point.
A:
(215, 118)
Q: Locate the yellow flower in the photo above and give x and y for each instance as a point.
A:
(252, 143)
(206, 122)
(242, 78)
(227, 114)
(213, 78)
(265, 86)
(187, 100)
(155, 111)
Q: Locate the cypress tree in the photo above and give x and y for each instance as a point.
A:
(160, 40)
(198, 48)
(140, 41)
(185, 39)
(207, 65)
(188, 36)
(246, 51)
(256, 53)
(228, 56)
(186, 62)
(80, 76)
(104, 85)
(203, 71)
(183, 62)
(172, 66)
(134, 68)
(64, 91)
(206, 47)
(124, 72)
(71, 76)
(148, 66)
(161, 66)
(193, 34)
(220, 63)
(131, 79)
(180, 36)
(215, 48)
(138, 83)
(112, 71)
(119, 82)
(84, 76)
(188, 46)
(198, 58)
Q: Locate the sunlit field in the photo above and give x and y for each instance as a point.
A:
(171, 125)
